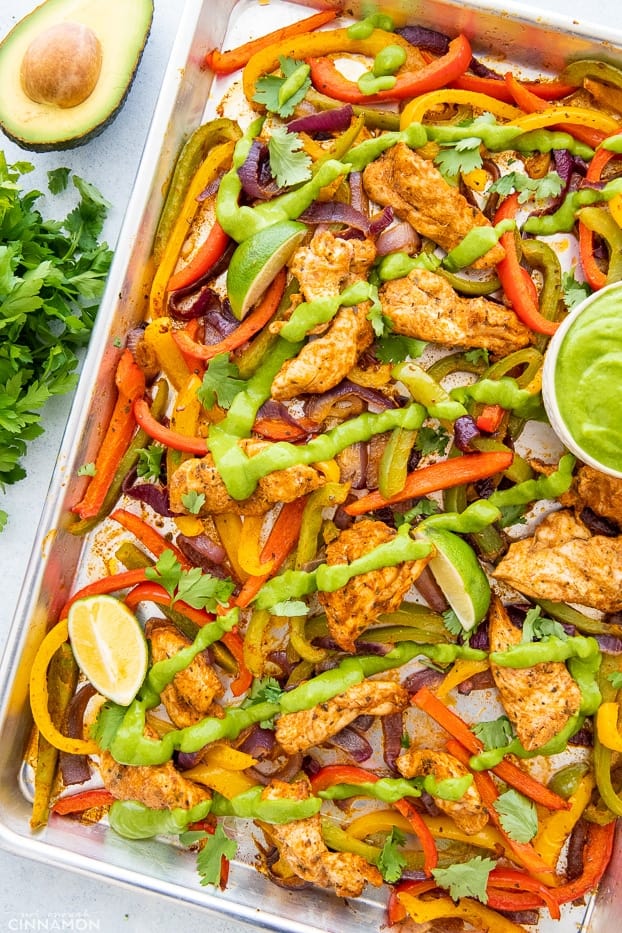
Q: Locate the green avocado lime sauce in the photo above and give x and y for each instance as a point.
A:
(588, 380)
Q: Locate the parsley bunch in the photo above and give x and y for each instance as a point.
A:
(52, 274)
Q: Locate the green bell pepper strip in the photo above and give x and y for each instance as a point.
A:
(461, 362)
(249, 806)
(564, 218)
(529, 358)
(565, 782)
(576, 72)
(301, 644)
(328, 496)
(309, 314)
(241, 473)
(476, 244)
(390, 790)
(538, 253)
(471, 287)
(429, 393)
(393, 466)
(544, 487)
(603, 756)
(600, 221)
(373, 119)
(134, 820)
(583, 623)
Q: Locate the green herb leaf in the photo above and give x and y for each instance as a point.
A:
(495, 733)
(193, 501)
(452, 623)
(268, 88)
(466, 879)
(391, 862)
(289, 163)
(221, 382)
(518, 815)
(431, 440)
(539, 188)
(107, 724)
(537, 627)
(478, 355)
(209, 858)
(57, 179)
(615, 680)
(150, 461)
(459, 158)
(199, 590)
(395, 349)
(574, 292)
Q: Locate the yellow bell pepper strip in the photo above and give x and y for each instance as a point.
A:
(599, 220)
(221, 755)
(250, 546)
(462, 670)
(440, 71)
(56, 637)
(216, 160)
(158, 336)
(224, 781)
(130, 384)
(555, 828)
(254, 639)
(416, 109)
(441, 827)
(184, 420)
(467, 909)
(326, 42)
(571, 120)
(607, 726)
(224, 63)
(301, 644)
(229, 528)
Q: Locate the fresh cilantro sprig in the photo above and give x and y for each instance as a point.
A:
(431, 440)
(289, 163)
(466, 879)
(459, 158)
(539, 188)
(518, 815)
(393, 348)
(268, 87)
(574, 292)
(200, 590)
(52, 273)
(221, 382)
(149, 464)
(216, 846)
(494, 733)
(452, 623)
(392, 862)
(537, 627)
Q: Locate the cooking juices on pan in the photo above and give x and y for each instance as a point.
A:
(333, 530)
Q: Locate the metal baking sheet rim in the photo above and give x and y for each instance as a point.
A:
(92, 850)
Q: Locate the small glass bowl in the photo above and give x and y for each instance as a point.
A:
(561, 426)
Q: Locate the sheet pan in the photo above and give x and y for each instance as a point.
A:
(512, 35)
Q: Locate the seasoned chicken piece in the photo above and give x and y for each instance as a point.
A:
(468, 813)
(191, 694)
(203, 477)
(160, 787)
(301, 845)
(418, 193)
(325, 361)
(424, 305)
(329, 263)
(565, 563)
(597, 491)
(353, 607)
(296, 732)
(539, 700)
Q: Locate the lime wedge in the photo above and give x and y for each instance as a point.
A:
(459, 574)
(257, 260)
(109, 646)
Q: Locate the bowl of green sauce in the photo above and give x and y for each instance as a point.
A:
(582, 380)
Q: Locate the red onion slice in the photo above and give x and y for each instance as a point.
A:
(399, 238)
(325, 121)
(392, 732)
(255, 175)
(353, 743)
(75, 769)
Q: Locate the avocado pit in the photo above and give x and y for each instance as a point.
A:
(61, 66)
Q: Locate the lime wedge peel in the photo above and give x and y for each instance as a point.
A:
(257, 261)
(457, 571)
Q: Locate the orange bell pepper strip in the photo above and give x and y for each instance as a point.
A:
(596, 857)
(533, 103)
(514, 277)
(327, 79)
(524, 852)
(84, 800)
(112, 584)
(498, 88)
(251, 325)
(207, 254)
(223, 63)
(490, 418)
(594, 275)
(152, 539)
(441, 475)
(130, 383)
(157, 431)
(281, 540)
(425, 700)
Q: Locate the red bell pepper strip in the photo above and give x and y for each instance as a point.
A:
(596, 857)
(490, 418)
(512, 882)
(152, 539)
(350, 774)
(524, 851)
(130, 383)
(532, 103)
(223, 63)
(282, 538)
(251, 324)
(84, 800)
(208, 253)
(441, 71)
(512, 276)
(506, 770)
(111, 584)
(441, 475)
(594, 275)
(157, 431)
(497, 88)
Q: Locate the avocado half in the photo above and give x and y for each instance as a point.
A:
(122, 29)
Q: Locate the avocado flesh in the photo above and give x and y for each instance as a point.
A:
(122, 28)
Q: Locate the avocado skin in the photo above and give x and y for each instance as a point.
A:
(59, 142)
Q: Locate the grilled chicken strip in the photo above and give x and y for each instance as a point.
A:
(353, 607)
(329, 263)
(596, 491)
(468, 813)
(296, 732)
(539, 700)
(424, 305)
(203, 477)
(301, 845)
(418, 193)
(160, 787)
(565, 563)
(191, 694)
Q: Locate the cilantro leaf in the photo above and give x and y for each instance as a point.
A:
(478, 355)
(431, 440)
(150, 461)
(107, 723)
(615, 680)
(391, 862)
(574, 292)
(452, 623)
(289, 163)
(209, 858)
(57, 179)
(266, 690)
(393, 348)
(221, 382)
(290, 607)
(494, 733)
(466, 879)
(461, 157)
(200, 590)
(518, 815)
(267, 89)
(537, 626)
(193, 501)
(540, 188)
